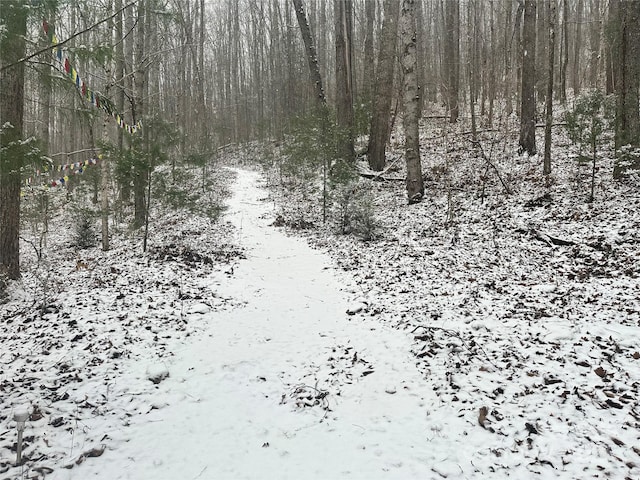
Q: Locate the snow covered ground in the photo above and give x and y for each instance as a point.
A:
(461, 343)
(523, 306)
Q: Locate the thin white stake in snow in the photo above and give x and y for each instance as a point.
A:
(20, 416)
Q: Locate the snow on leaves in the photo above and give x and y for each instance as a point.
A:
(524, 308)
(65, 339)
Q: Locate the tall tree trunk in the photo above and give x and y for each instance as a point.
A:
(551, 6)
(13, 19)
(452, 57)
(508, 54)
(613, 42)
(471, 62)
(415, 186)
(369, 64)
(493, 54)
(141, 167)
(323, 58)
(383, 90)
(119, 68)
(202, 107)
(528, 100)
(628, 84)
(542, 40)
(312, 55)
(45, 81)
(421, 55)
(594, 43)
(577, 45)
(344, 78)
(565, 51)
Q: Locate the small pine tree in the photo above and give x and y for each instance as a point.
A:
(354, 207)
(85, 234)
(586, 126)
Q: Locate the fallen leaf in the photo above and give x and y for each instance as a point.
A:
(613, 404)
(531, 428)
(617, 441)
(482, 416)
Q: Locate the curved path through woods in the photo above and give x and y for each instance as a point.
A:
(235, 410)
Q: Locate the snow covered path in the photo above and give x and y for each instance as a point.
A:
(232, 406)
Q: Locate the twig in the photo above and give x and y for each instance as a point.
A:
(201, 472)
(378, 175)
(18, 312)
(60, 44)
(486, 159)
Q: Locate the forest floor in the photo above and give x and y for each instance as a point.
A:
(476, 334)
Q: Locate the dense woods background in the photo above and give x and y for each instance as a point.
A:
(200, 76)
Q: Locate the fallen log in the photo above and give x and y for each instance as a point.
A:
(379, 175)
(546, 238)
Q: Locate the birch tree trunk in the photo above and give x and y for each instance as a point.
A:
(415, 186)
(312, 54)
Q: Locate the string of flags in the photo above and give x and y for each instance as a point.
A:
(94, 98)
(76, 168)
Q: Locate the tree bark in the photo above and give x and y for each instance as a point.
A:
(472, 65)
(344, 78)
(628, 82)
(528, 101)
(369, 64)
(551, 6)
(415, 186)
(452, 57)
(13, 17)
(383, 90)
(565, 52)
(312, 54)
(140, 166)
(577, 45)
(594, 43)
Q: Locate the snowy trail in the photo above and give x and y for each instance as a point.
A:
(221, 414)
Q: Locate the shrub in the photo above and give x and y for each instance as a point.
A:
(85, 233)
(586, 125)
(354, 210)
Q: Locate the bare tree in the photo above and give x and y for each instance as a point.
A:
(577, 45)
(565, 51)
(415, 186)
(452, 57)
(312, 54)
(528, 101)
(140, 171)
(551, 6)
